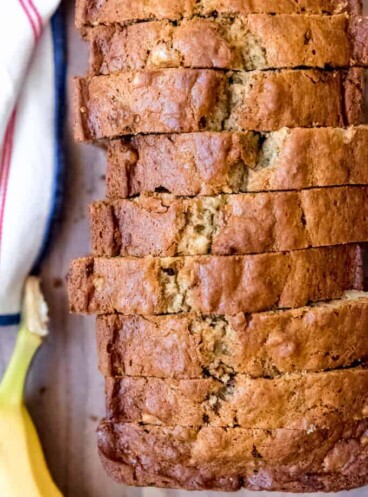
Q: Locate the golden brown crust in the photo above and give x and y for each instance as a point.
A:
(243, 43)
(164, 226)
(212, 284)
(295, 401)
(91, 12)
(213, 163)
(228, 459)
(327, 336)
(186, 100)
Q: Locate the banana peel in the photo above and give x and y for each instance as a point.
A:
(23, 469)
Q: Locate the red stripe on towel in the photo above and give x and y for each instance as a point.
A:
(5, 163)
(30, 18)
(37, 14)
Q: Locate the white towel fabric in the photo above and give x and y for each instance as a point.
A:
(32, 79)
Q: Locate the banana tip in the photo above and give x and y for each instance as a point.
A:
(35, 309)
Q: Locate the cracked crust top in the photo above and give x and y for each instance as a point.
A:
(93, 12)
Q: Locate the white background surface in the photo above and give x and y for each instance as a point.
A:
(65, 391)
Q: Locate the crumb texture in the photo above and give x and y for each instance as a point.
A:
(323, 337)
(164, 226)
(187, 100)
(293, 401)
(210, 163)
(241, 43)
(213, 284)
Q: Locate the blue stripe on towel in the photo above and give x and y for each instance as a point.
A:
(59, 41)
(9, 319)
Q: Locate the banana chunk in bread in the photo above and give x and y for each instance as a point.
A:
(188, 346)
(295, 401)
(247, 223)
(93, 12)
(213, 284)
(241, 43)
(211, 163)
(186, 100)
(228, 459)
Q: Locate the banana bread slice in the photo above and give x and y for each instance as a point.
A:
(211, 163)
(213, 284)
(185, 100)
(244, 43)
(93, 12)
(248, 223)
(228, 459)
(294, 401)
(187, 346)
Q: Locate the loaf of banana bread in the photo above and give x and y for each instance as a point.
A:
(232, 325)
(185, 100)
(213, 284)
(247, 223)
(321, 337)
(93, 12)
(242, 43)
(231, 458)
(210, 163)
(295, 401)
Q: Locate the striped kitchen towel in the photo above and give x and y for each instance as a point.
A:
(32, 107)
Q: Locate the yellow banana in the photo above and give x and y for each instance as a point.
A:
(23, 469)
